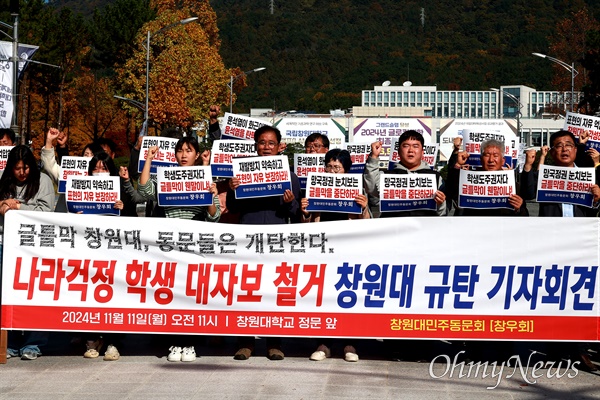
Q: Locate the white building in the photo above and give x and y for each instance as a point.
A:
(535, 123)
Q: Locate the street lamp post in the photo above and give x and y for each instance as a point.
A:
(566, 66)
(235, 78)
(148, 37)
(518, 103)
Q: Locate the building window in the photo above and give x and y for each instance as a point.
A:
(460, 97)
(445, 97)
(486, 97)
(479, 110)
(426, 95)
(459, 113)
(453, 97)
(439, 97)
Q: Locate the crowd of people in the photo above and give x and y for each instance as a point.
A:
(24, 186)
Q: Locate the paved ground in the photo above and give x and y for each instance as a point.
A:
(144, 373)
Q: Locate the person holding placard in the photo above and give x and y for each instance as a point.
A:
(492, 159)
(187, 151)
(338, 162)
(24, 187)
(410, 151)
(564, 153)
(270, 210)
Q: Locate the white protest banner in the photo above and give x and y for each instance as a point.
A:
(67, 272)
(472, 141)
(25, 52)
(71, 166)
(93, 194)
(296, 130)
(262, 176)
(184, 186)
(384, 129)
(430, 153)
(305, 163)
(452, 128)
(4, 150)
(407, 192)
(165, 156)
(240, 127)
(224, 151)
(486, 189)
(566, 185)
(580, 123)
(334, 192)
(359, 152)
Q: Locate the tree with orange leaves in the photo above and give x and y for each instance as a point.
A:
(186, 74)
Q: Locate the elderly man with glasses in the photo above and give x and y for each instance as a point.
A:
(564, 151)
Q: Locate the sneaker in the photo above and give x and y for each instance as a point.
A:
(30, 354)
(350, 354)
(242, 354)
(275, 354)
(111, 354)
(321, 353)
(188, 354)
(175, 354)
(12, 353)
(93, 348)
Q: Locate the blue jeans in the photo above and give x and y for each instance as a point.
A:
(19, 341)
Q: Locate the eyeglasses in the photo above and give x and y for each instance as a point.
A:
(262, 143)
(334, 168)
(565, 146)
(313, 146)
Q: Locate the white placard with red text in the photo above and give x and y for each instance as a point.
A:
(165, 157)
(407, 192)
(262, 176)
(306, 163)
(566, 185)
(4, 150)
(359, 152)
(473, 140)
(184, 186)
(93, 194)
(486, 189)
(71, 166)
(360, 278)
(224, 151)
(579, 123)
(334, 192)
(240, 127)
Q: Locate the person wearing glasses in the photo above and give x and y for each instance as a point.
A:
(410, 151)
(270, 210)
(564, 153)
(336, 162)
(316, 143)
